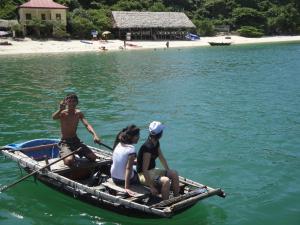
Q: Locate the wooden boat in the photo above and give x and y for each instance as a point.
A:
(41, 158)
(219, 43)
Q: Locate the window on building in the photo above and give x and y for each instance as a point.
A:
(28, 16)
(58, 17)
(43, 16)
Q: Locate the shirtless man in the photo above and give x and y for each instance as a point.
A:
(69, 117)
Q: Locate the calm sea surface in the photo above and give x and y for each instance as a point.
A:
(232, 117)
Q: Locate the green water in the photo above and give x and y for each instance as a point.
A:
(232, 117)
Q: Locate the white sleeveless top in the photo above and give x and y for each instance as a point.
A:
(120, 158)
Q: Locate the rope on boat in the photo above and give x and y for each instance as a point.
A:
(99, 196)
(35, 178)
(20, 168)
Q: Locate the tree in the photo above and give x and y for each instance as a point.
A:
(128, 5)
(101, 19)
(37, 26)
(8, 10)
(205, 27)
(158, 7)
(59, 31)
(248, 17)
(249, 31)
(283, 20)
(218, 8)
(18, 29)
(81, 27)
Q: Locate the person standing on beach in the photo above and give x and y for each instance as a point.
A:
(167, 44)
(69, 117)
(163, 179)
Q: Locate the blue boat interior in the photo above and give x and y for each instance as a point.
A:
(51, 152)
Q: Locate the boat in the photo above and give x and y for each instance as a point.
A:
(86, 42)
(40, 157)
(192, 37)
(219, 43)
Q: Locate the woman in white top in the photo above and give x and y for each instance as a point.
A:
(124, 156)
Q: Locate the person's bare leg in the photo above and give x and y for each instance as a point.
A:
(69, 161)
(173, 175)
(165, 187)
(91, 156)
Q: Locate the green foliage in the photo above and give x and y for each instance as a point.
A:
(59, 31)
(72, 4)
(248, 3)
(82, 22)
(179, 5)
(37, 25)
(8, 11)
(249, 31)
(81, 27)
(128, 5)
(18, 29)
(248, 17)
(158, 7)
(283, 20)
(101, 19)
(204, 27)
(218, 8)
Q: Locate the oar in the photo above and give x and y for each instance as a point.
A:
(106, 146)
(34, 172)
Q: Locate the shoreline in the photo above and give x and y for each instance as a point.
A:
(28, 46)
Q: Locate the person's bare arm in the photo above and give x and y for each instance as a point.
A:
(162, 159)
(62, 106)
(146, 162)
(129, 170)
(89, 128)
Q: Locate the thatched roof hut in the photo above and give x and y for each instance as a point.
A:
(123, 19)
(152, 25)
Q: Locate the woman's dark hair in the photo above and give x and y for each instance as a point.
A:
(126, 134)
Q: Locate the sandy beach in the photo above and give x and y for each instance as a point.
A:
(28, 46)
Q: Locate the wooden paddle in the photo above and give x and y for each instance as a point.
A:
(106, 146)
(4, 188)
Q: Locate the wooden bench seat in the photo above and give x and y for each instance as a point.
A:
(141, 190)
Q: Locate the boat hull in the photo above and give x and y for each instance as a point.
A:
(103, 193)
(219, 43)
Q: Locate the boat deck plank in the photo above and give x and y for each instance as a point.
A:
(139, 189)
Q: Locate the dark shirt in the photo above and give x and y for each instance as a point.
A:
(149, 147)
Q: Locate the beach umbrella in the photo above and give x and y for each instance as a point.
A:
(106, 33)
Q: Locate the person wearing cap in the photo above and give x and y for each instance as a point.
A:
(163, 179)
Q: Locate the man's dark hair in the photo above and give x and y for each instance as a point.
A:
(156, 136)
(72, 96)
